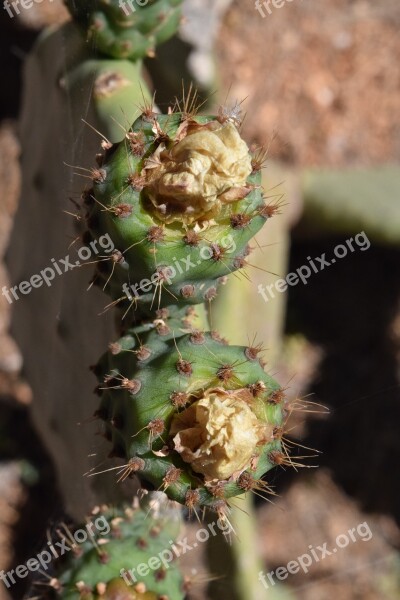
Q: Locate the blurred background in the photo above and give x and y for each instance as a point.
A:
(321, 89)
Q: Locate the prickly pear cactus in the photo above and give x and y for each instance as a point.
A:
(181, 197)
(188, 413)
(128, 29)
(105, 566)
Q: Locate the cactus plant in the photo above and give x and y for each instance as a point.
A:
(181, 197)
(128, 560)
(128, 29)
(178, 188)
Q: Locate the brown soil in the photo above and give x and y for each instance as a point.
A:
(322, 78)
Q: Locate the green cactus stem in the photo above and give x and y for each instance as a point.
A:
(127, 29)
(106, 566)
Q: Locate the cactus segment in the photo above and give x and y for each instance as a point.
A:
(99, 568)
(190, 415)
(181, 198)
(128, 29)
(116, 89)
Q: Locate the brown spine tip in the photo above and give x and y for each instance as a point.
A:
(217, 252)
(117, 257)
(197, 337)
(164, 274)
(123, 211)
(277, 397)
(188, 291)
(155, 531)
(179, 399)
(115, 348)
(217, 490)
(83, 588)
(239, 262)
(211, 294)
(191, 238)
(160, 574)
(252, 353)
(132, 385)
(245, 482)
(162, 313)
(269, 210)
(277, 433)
(136, 142)
(276, 457)
(225, 373)
(156, 427)
(143, 353)
(155, 234)
(99, 175)
(136, 182)
(192, 498)
(257, 388)
(171, 476)
(136, 464)
(184, 367)
(240, 221)
(101, 588)
(163, 329)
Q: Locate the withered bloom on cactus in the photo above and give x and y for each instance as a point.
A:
(181, 198)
